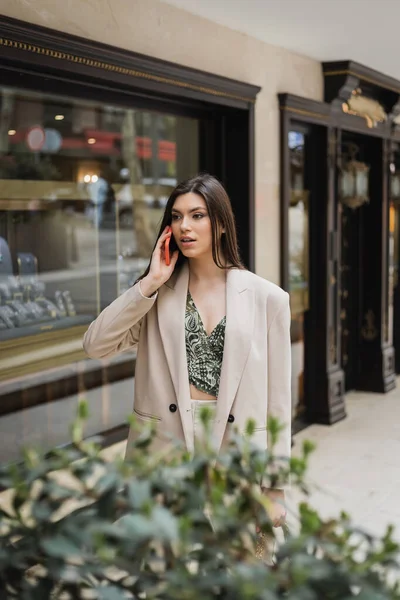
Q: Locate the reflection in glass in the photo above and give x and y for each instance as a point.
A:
(395, 185)
(82, 190)
(298, 264)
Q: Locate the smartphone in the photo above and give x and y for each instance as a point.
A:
(166, 248)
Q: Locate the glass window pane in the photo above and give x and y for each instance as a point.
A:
(298, 264)
(83, 186)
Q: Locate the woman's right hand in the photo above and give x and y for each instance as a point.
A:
(159, 272)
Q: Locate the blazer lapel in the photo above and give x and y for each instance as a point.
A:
(238, 336)
(171, 307)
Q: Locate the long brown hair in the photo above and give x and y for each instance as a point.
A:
(221, 216)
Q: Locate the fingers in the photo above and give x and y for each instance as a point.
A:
(163, 237)
(159, 250)
(174, 258)
(159, 247)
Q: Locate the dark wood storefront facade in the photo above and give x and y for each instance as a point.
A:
(345, 296)
(38, 63)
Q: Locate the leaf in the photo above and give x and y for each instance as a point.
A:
(70, 574)
(297, 466)
(31, 457)
(107, 482)
(6, 481)
(106, 505)
(250, 427)
(138, 493)
(137, 527)
(308, 448)
(77, 432)
(41, 510)
(60, 546)
(372, 595)
(58, 492)
(42, 590)
(5, 515)
(274, 428)
(83, 410)
(38, 472)
(111, 593)
(165, 523)
(153, 547)
(310, 520)
(20, 497)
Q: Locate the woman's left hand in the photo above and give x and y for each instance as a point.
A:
(276, 509)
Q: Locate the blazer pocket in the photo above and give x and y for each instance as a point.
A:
(146, 416)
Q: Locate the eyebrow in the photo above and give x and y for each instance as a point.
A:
(190, 211)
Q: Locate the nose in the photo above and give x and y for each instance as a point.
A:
(185, 225)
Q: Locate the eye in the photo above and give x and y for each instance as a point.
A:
(198, 216)
(175, 217)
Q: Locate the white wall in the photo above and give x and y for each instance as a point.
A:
(160, 30)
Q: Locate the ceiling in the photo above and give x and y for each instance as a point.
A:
(366, 31)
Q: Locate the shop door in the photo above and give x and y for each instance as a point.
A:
(310, 263)
(351, 280)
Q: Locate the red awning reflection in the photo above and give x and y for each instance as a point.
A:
(107, 142)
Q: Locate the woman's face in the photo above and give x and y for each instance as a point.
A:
(191, 226)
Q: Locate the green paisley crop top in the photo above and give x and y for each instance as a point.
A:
(204, 353)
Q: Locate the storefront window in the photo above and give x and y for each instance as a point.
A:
(82, 191)
(298, 264)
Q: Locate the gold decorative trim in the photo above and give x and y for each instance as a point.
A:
(42, 339)
(42, 365)
(303, 112)
(366, 108)
(97, 64)
(362, 78)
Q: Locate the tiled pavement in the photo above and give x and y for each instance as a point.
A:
(356, 465)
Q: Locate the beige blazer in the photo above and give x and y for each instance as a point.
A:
(255, 376)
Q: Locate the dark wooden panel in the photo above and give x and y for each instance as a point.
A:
(304, 109)
(341, 75)
(324, 378)
(377, 372)
(41, 48)
(238, 139)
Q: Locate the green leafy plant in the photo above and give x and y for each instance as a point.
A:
(174, 527)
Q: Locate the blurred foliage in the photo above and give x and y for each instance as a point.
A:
(175, 527)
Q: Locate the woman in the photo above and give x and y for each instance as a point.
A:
(207, 331)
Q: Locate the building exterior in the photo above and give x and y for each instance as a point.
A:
(101, 113)
(340, 237)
